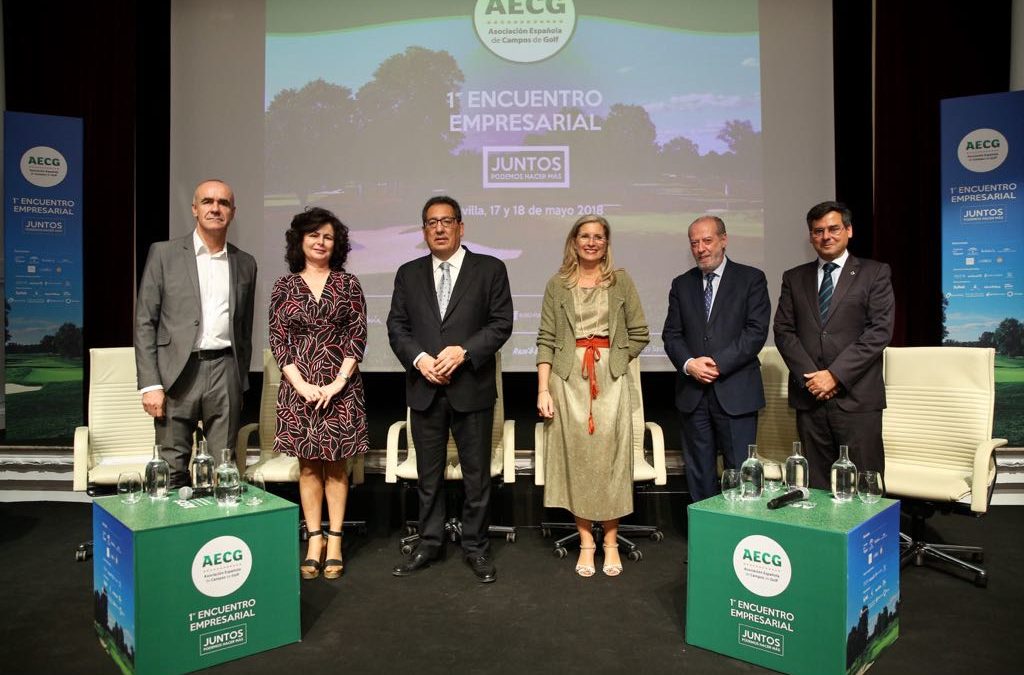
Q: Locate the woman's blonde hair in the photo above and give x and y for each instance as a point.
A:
(569, 272)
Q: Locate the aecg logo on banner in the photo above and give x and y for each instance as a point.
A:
(221, 566)
(524, 31)
(762, 565)
(43, 166)
(982, 150)
(526, 166)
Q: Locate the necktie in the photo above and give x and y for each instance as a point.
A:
(444, 290)
(826, 289)
(708, 293)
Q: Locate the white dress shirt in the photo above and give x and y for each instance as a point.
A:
(214, 294)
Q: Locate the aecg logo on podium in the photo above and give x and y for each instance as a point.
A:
(982, 150)
(524, 31)
(221, 566)
(762, 565)
(43, 166)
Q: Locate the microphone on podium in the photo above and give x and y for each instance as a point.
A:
(794, 495)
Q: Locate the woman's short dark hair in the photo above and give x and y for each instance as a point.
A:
(311, 220)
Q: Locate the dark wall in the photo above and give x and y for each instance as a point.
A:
(887, 154)
(109, 63)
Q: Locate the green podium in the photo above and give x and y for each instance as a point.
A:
(184, 585)
(803, 591)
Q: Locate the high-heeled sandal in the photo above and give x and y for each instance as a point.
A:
(611, 570)
(586, 570)
(309, 568)
(334, 567)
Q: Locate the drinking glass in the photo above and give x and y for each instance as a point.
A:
(129, 487)
(254, 497)
(731, 484)
(772, 476)
(869, 486)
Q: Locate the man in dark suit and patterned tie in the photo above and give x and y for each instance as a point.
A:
(193, 331)
(717, 323)
(451, 312)
(833, 322)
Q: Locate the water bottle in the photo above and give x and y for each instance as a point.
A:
(202, 472)
(844, 476)
(796, 467)
(751, 475)
(228, 486)
(157, 476)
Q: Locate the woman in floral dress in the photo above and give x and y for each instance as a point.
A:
(318, 335)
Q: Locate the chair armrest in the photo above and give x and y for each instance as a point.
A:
(81, 475)
(242, 440)
(391, 452)
(538, 454)
(508, 447)
(979, 479)
(658, 451)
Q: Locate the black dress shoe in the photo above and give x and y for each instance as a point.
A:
(416, 561)
(483, 568)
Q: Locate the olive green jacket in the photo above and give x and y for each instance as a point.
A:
(627, 327)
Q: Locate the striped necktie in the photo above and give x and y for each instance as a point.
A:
(709, 291)
(826, 289)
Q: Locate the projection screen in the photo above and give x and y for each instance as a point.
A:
(531, 113)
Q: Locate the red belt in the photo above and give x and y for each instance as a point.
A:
(590, 358)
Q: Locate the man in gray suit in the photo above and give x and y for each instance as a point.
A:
(833, 322)
(193, 331)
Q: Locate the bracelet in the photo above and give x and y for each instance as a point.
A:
(344, 378)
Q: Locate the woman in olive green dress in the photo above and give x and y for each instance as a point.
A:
(592, 325)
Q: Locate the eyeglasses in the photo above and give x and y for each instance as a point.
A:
(447, 223)
(833, 230)
(595, 238)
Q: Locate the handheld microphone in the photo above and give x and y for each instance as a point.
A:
(795, 495)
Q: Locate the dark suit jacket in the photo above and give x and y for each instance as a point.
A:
(733, 336)
(168, 311)
(849, 344)
(479, 318)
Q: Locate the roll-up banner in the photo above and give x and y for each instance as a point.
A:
(43, 278)
(982, 226)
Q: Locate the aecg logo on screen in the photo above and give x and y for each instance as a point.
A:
(526, 166)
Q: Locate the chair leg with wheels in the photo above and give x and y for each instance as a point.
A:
(914, 548)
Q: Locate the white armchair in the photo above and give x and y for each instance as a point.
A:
(119, 436)
(937, 431)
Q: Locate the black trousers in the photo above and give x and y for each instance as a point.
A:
(825, 427)
(472, 434)
(704, 431)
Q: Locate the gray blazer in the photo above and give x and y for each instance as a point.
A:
(168, 311)
(627, 327)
